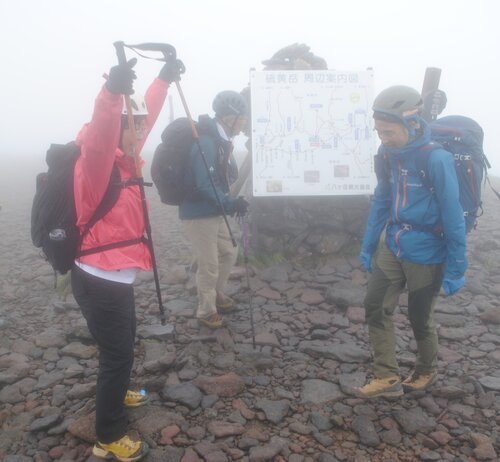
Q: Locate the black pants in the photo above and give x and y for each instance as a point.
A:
(109, 309)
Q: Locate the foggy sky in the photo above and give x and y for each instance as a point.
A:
(54, 53)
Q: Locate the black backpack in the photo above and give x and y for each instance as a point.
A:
(53, 214)
(171, 162)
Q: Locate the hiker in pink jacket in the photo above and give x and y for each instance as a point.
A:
(113, 248)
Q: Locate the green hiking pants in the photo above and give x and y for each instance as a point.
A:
(387, 281)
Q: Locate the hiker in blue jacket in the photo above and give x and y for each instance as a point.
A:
(415, 238)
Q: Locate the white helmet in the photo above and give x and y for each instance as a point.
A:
(138, 103)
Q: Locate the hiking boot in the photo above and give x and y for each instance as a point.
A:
(388, 387)
(136, 398)
(225, 304)
(213, 321)
(418, 382)
(123, 449)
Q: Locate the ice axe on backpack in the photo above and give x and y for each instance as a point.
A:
(434, 99)
(122, 59)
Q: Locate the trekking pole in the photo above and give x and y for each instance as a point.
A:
(197, 141)
(120, 53)
(244, 245)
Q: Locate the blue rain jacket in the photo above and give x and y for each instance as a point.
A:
(422, 226)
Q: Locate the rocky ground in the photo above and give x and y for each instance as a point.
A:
(214, 397)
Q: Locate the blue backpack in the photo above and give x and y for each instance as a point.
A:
(462, 137)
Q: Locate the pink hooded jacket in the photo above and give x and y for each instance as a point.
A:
(99, 140)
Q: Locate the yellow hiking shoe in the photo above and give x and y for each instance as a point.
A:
(418, 382)
(123, 449)
(136, 398)
(388, 387)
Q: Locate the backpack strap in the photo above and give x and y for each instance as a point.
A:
(381, 165)
(422, 163)
(437, 231)
(107, 203)
(113, 245)
(108, 200)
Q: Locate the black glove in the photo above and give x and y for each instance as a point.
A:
(240, 206)
(121, 78)
(172, 70)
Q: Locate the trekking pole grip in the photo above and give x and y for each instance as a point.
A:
(120, 52)
(122, 59)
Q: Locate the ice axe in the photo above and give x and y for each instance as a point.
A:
(122, 59)
(430, 88)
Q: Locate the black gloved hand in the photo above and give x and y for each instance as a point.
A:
(121, 78)
(240, 206)
(172, 70)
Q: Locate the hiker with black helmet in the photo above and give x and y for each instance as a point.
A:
(415, 238)
(211, 170)
(102, 281)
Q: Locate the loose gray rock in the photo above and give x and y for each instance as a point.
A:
(187, 394)
(156, 331)
(45, 423)
(316, 391)
(366, 431)
(488, 381)
(345, 294)
(414, 421)
(275, 411)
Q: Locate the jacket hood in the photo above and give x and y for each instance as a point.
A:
(421, 140)
(207, 124)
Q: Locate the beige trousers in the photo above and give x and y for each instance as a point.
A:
(215, 255)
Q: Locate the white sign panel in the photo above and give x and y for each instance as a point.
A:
(312, 133)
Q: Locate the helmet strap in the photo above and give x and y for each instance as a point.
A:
(413, 126)
(229, 128)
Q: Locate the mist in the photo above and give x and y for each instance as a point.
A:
(55, 54)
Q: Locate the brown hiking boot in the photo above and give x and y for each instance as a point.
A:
(213, 321)
(224, 304)
(388, 387)
(418, 382)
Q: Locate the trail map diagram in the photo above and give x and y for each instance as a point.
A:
(312, 133)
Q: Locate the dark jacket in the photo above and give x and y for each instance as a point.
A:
(202, 201)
